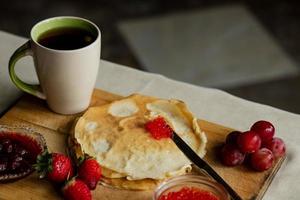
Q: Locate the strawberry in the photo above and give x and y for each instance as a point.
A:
(159, 128)
(90, 172)
(57, 167)
(76, 189)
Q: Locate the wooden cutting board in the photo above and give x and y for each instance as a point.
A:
(33, 112)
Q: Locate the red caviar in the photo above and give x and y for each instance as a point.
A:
(189, 193)
(159, 128)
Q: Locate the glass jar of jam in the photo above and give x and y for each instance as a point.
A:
(191, 187)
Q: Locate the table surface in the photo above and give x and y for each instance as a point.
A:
(206, 103)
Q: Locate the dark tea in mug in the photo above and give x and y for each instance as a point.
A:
(66, 38)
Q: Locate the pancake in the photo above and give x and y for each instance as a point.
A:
(115, 135)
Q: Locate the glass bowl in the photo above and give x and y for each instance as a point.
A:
(191, 181)
(29, 140)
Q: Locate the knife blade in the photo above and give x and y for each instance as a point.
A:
(194, 158)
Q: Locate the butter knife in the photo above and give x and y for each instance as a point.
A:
(194, 158)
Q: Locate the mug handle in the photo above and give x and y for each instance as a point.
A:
(22, 51)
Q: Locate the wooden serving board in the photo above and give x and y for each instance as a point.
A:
(33, 112)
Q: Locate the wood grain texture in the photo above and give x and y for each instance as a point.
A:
(32, 112)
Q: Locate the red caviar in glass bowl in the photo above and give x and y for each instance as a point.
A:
(189, 193)
(190, 187)
(19, 148)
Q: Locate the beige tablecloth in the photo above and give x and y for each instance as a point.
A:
(209, 104)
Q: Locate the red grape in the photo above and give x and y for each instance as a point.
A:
(264, 129)
(16, 162)
(7, 145)
(249, 142)
(277, 146)
(231, 155)
(232, 137)
(262, 159)
(3, 163)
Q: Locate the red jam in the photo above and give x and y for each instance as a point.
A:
(17, 152)
(158, 128)
(189, 193)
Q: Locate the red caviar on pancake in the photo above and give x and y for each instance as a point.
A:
(158, 128)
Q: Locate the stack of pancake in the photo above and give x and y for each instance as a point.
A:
(130, 157)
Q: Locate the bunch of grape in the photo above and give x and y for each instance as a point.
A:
(258, 144)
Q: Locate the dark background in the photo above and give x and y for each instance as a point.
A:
(280, 18)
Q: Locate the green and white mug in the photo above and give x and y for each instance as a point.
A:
(67, 77)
